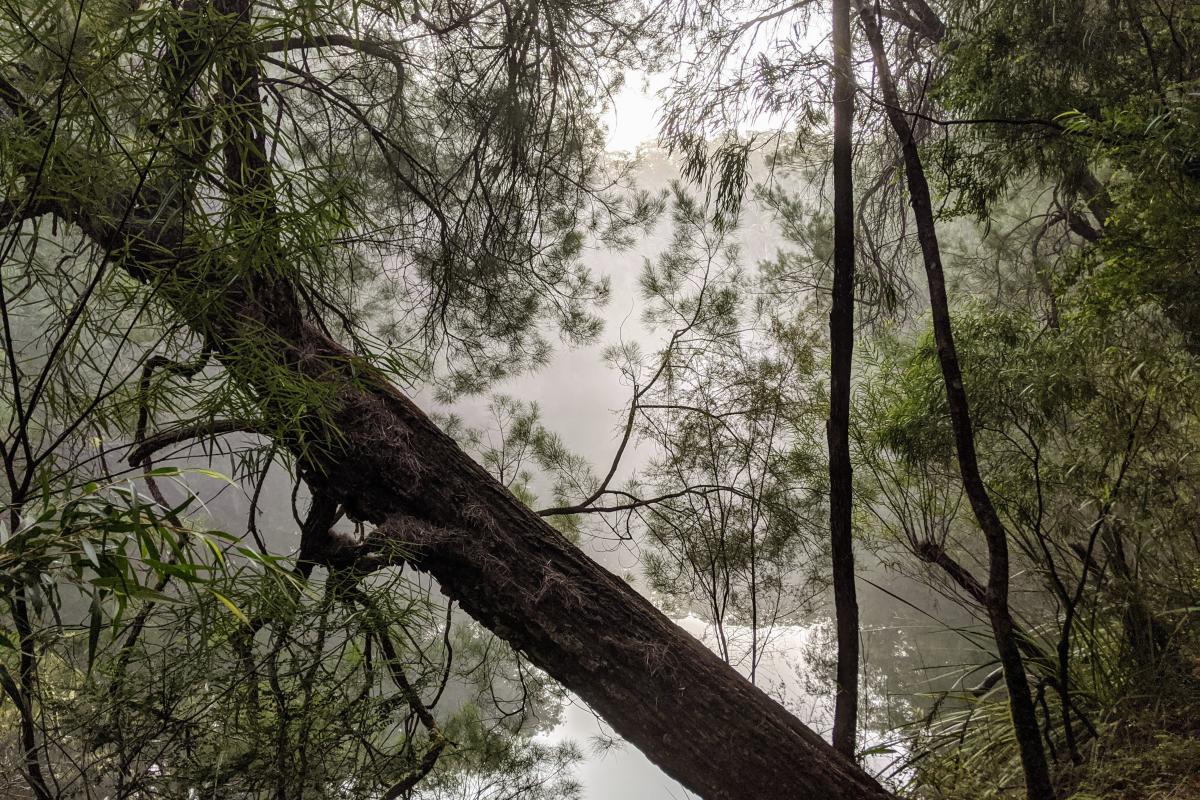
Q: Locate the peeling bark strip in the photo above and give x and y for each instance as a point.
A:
(377, 453)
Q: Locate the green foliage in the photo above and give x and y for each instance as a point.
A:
(724, 406)
(485, 765)
(1030, 62)
(202, 665)
(1161, 765)
(423, 180)
(1151, 236)
(111, 546)
(1081, 433)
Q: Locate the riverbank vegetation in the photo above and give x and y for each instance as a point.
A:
(914, 304)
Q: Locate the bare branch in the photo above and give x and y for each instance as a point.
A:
(388, 51)
(203, 430)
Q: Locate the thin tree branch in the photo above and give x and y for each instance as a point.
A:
(154, 443)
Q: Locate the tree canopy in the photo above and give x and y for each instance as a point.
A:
(916, 307)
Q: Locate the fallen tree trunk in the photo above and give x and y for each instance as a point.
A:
(371, 449)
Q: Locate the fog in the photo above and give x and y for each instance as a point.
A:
(908, 634)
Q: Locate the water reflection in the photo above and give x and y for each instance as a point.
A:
(791, 672)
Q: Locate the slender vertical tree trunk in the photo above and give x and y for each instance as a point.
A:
(1024, 714)
(841, 346)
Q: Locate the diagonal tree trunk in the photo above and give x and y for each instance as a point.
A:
(368, 447)
(841, 346)
(1024, 715)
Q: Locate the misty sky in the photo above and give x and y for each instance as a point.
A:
(631, 120)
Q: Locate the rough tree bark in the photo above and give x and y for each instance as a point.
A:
(841, 348)
(372, 450)
(1024, 715)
